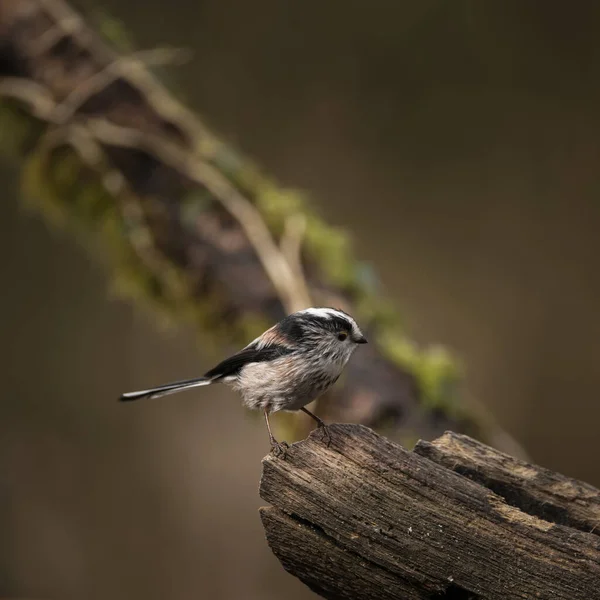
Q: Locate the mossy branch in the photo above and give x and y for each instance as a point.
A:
(193, 229)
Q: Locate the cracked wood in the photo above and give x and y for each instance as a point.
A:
(368, 519)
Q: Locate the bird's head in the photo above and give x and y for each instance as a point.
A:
(330, 330)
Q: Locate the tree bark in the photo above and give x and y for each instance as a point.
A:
(366, 519)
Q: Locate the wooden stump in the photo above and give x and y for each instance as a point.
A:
(366, 519)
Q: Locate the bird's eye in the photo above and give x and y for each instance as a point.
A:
(342, 336)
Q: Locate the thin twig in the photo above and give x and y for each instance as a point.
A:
(40, 102)
(291, 288)
(291, 247)
(51, 37)
(99, 81)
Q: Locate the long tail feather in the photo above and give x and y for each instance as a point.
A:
(164, 390)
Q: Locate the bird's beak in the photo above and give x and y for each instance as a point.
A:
(361, 340)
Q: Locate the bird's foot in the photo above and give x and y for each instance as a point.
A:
(325, 434)
(279, 449)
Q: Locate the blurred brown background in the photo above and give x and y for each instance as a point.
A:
(459, 142)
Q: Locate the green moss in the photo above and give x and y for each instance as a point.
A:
(330, 248)
(438, 375)
(19, 131)
(40, 193)
(112, 30)
(277, 204)
(71, 195)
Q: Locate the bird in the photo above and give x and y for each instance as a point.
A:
(287, 367)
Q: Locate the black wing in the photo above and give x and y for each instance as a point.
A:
(251, 354)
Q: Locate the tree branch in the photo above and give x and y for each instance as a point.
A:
(193, 229)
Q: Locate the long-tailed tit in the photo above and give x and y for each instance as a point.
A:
(288, 366)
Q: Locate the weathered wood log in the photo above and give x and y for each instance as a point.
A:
(367, 519)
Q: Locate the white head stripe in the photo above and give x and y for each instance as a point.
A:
(329, 313)
(325, 313)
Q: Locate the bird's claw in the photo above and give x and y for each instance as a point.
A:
(325, 435)
(279, 449)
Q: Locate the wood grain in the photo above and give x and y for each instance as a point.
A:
(368, 519)
(535, 490)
